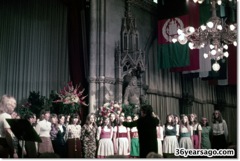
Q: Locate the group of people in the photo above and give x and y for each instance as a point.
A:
(129, 136)
(187, 132)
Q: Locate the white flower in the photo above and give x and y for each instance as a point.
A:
(116, 105)
(106, 104)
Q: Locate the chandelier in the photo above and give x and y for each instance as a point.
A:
(216, 34)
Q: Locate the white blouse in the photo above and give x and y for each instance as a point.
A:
(4, 124)
(220, 128)
(43, 128)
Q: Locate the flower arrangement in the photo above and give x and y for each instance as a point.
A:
(108, 108)
(71, 98)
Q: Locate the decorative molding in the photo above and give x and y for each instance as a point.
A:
(147, 5)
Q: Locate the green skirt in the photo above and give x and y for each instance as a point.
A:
(134, 147)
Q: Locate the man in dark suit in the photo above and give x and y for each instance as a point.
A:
(147, 133)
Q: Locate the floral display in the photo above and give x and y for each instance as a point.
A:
(108, 108)
(71, 97)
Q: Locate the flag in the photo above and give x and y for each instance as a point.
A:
(193, 15)
(198, 14)
(171, 54)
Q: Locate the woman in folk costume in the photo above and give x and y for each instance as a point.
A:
(73, 137)
(134, 152)
(104, 138)
(206, 129)
(88, 137)
(121, 138)
(171, 133)
(159, 137)
(186, 133)
(43, 129)
(197, 130)
(219, 131)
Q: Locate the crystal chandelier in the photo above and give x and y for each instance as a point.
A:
(216, 34)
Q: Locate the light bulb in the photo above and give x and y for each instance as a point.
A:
(200, 1)
(213, 52)
(203, 27)
(232, 27)
(179, 31)
(195, 1)
(182, 39)
(235, 43)
(210, 24)
(216, 66)
(225, 46)
(191, 29)
(174, 40)
(191, 45)
(205, 55)
(211, 46)
(219, 27)
(226, 54)
(219, 2)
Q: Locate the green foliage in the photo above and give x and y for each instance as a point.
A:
(128, 109)
(37, 102)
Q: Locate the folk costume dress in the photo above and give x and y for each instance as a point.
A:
(88, 138)
(196, 128)
(73, 141)
(122, 141)
(185, 137)
(160, 139)
(206, 144)
(134, 152)
(170, 141)
(105, 144)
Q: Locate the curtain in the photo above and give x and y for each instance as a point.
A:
(78, 29)
(33, 47)
(230, 116)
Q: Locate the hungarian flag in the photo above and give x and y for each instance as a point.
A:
(199, 14)
(172, 16)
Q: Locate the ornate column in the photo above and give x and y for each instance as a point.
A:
(130, 59)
